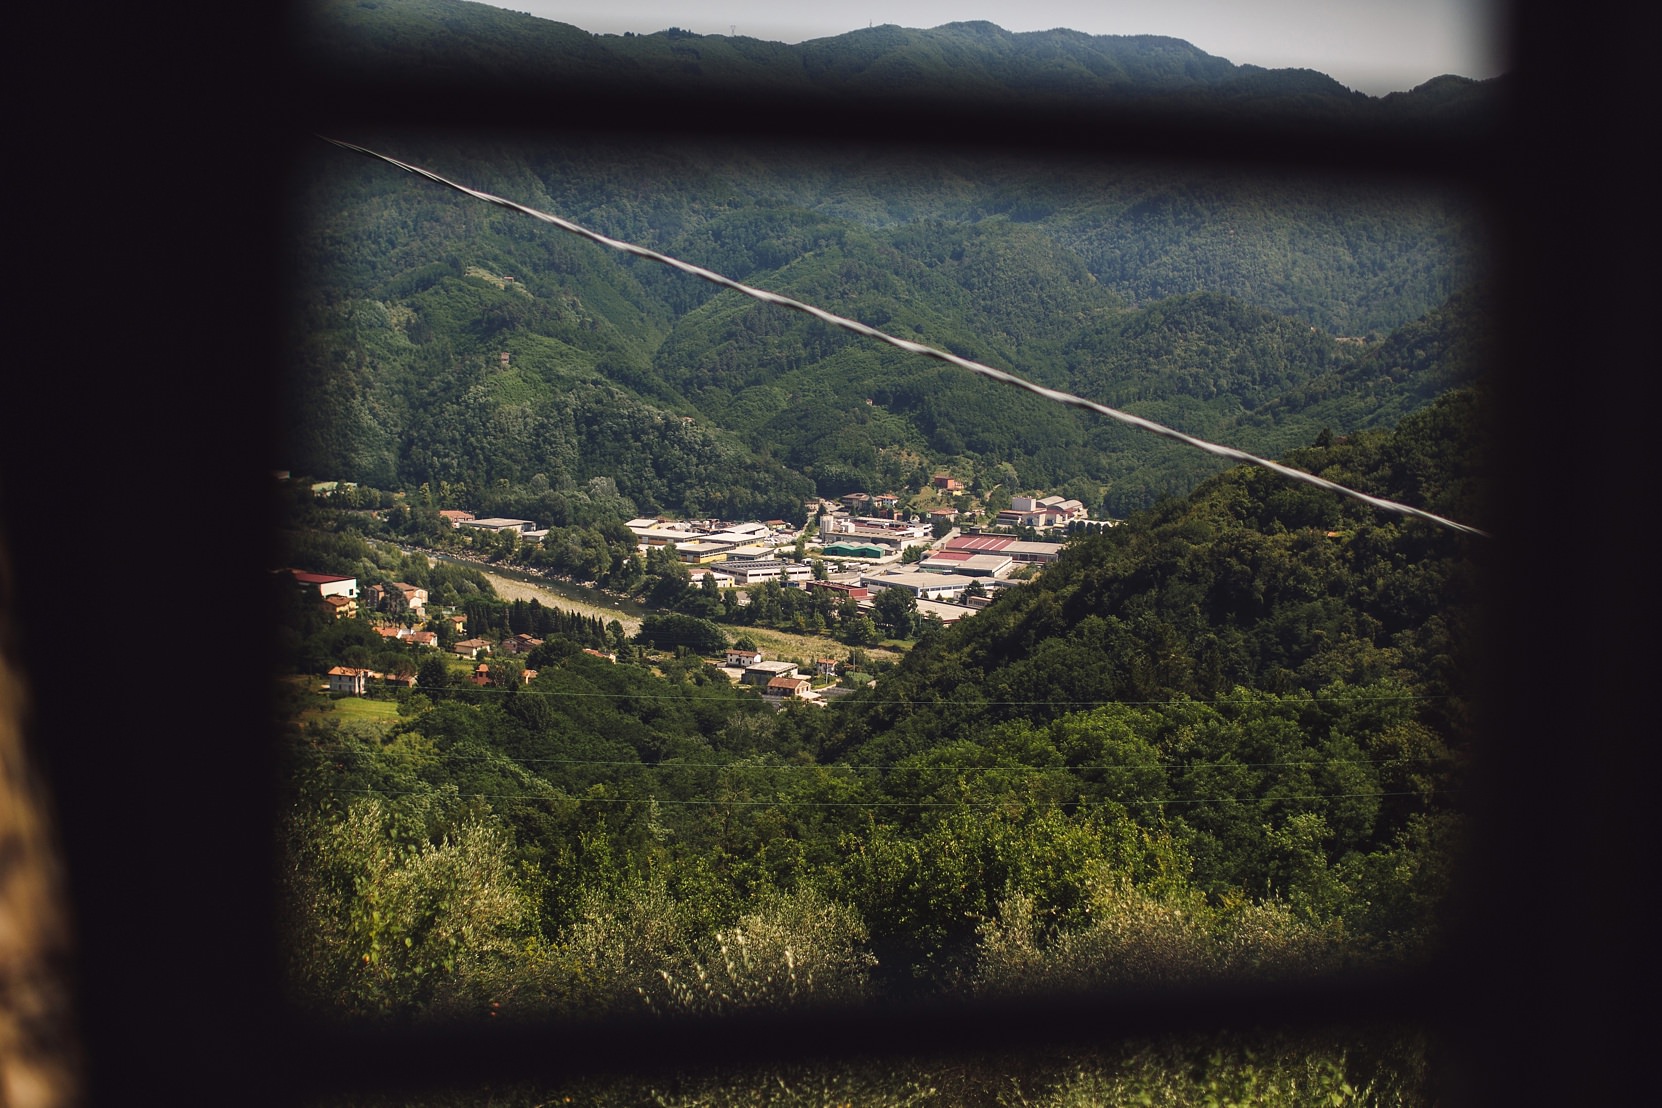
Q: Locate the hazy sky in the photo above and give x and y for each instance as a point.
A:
(1375, 46)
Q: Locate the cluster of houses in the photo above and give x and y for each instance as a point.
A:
(355, 680)
(340, 596)
(858, 526)
(337, 594)
(777, 680)
(864, 528)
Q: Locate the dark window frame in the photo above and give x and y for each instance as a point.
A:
(167, 833)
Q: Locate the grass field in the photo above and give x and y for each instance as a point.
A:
(353, 712)
(775, 644)
(358, 708)
(784, 644)
(509, 588)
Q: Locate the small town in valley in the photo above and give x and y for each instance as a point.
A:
(850, 552)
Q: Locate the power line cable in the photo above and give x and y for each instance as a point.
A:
(1057, 396)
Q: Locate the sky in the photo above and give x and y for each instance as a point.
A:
(1373, 46)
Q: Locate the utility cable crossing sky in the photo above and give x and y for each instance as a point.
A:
(858, 328)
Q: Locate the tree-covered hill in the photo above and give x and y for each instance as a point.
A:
(1248, 310)
(1250, 582)
(1228, 736)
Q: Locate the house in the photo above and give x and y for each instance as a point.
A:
(471, 648)
(341, 607)
(825, 667)
(397, 597)
(482, 675)
(348, 679)
(789, 688)
(355, 681)
(736, 657)
(415, 599)
(327, 584)
(521, 643)
(455, 517)
(429, 639)
(948, 484)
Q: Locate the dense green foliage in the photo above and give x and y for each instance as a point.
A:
(1224, 737)
(1186, 297)
(1250, 310)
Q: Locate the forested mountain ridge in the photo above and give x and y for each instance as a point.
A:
(374, 41)
(1233, 308)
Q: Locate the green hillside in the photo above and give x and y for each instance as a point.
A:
(1227, 737)
(1235, 309)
